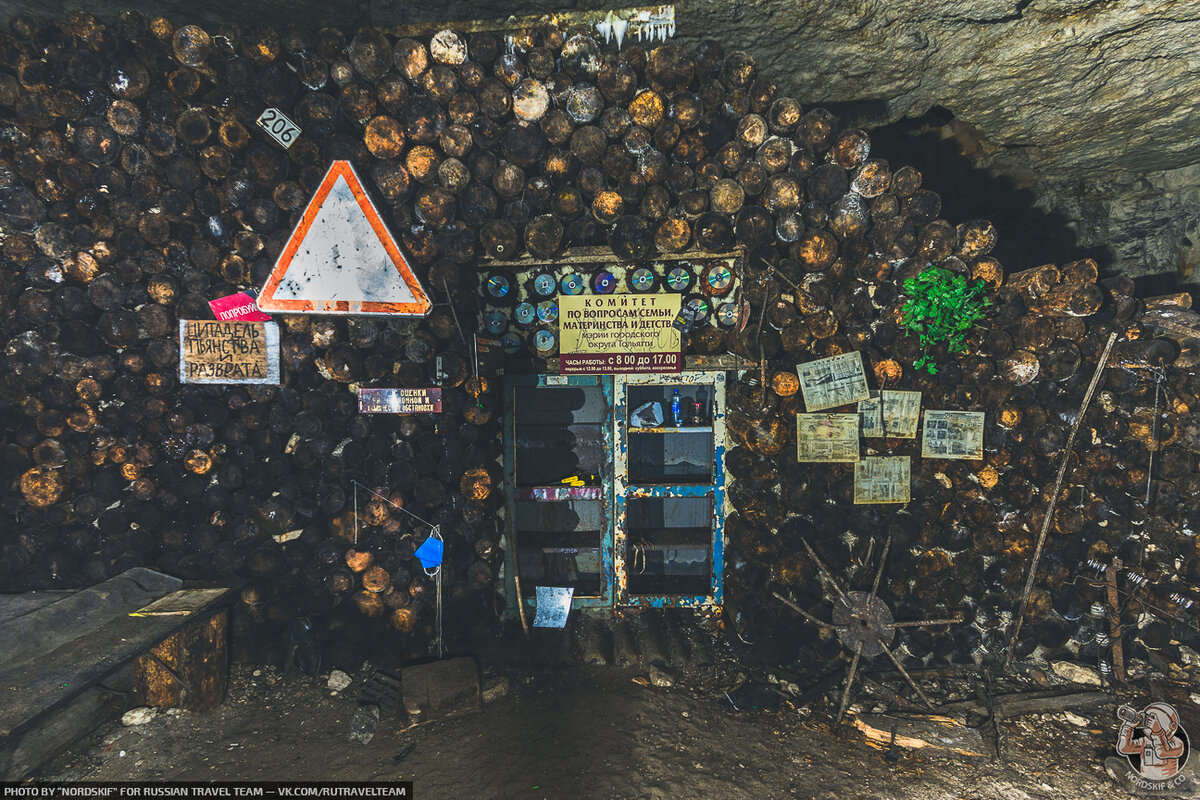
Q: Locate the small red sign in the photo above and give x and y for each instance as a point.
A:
(618, 363)
(240, 307)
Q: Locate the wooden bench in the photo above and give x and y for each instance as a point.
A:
(132, 644)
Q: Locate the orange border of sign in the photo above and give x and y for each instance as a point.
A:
(266, 298)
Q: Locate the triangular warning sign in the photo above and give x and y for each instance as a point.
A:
(341, 259)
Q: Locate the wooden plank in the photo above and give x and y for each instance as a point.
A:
(1019, 703)
(53, 625)
(441, 688)
(642, 21)
(933, 734)
(24, 752)
(181, 603)
(188, 669)
(602, 255)
(1114, 622)
(64, 673)
(725, 362)
(18, 605)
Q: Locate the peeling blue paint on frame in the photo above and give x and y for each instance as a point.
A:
(617, 490)
(624, 491)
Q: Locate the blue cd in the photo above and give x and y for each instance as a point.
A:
(495, 322)
(604, 282)
(727, 315)
(525, 314)
(642, 279)
(511, 343)
(572, 284)
(544, 285)
(679, 279)
(701, 307)
(717, 279)
(543, 341)
(547, 310)
(498, 286)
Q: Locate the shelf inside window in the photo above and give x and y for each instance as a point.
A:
(560, 494)
(660, 585)
(671, 539)
(689, 394)
(660, 429)
(561, 559)
(668, 545)
(576, 541)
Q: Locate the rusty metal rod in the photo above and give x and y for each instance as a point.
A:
(454, 314)
(805, 614)
(824, 572)
(1062, 471)
(879, 574)
(924, 623)
(907, 677)
(1114, 622)
(864, 680)
(849, 681)
(517, 572)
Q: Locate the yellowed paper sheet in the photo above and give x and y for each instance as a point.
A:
(870, 414)
(834, 381)
(827, 438)
(901, 412)
(884, 479)
(952, 434)
(180, 603)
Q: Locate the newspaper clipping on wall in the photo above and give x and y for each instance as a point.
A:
(952, 434)
(883, 479)
(834, 381)
(870, 415)
(827, 438)
(901, 411)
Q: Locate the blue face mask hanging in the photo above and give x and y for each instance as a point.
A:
(430, 555)
(430, 552)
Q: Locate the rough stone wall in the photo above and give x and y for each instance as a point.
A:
(1147, 223)
(1092, 100)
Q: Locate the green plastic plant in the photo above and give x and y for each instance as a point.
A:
(942, 307)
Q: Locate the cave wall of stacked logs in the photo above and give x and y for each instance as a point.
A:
(135, 187)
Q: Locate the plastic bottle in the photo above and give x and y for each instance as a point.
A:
(677, 409)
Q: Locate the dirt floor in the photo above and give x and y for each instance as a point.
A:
(591, 732)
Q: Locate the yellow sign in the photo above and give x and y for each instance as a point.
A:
(953, 434)
(884, 479)
(618, 333)
(826, 437)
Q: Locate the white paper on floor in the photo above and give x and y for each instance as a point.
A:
(553, 605)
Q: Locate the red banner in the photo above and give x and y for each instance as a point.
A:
(618, 363)
(240, 307)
